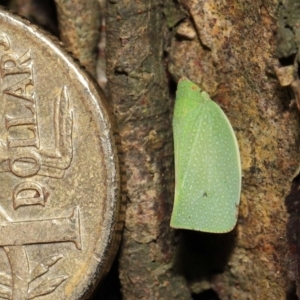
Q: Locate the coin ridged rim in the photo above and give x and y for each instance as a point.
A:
(116, 175)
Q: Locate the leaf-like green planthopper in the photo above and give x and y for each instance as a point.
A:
(207, 163)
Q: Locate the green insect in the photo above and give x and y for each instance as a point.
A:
(207, 163)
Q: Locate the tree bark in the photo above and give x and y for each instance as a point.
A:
(79, 23)
(138, 88)
(228, 48)
(230, 55)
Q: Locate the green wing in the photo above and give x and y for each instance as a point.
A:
(207, 165)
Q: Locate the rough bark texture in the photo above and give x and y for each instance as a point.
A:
(229, 55)
(79, 23)
(139, 91)
(288, 50)
(227, 47)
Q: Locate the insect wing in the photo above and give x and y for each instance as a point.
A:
(208, 171)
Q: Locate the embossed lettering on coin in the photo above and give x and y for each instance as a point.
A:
(58, 171)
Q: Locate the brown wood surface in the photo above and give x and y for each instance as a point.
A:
(228, 48)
